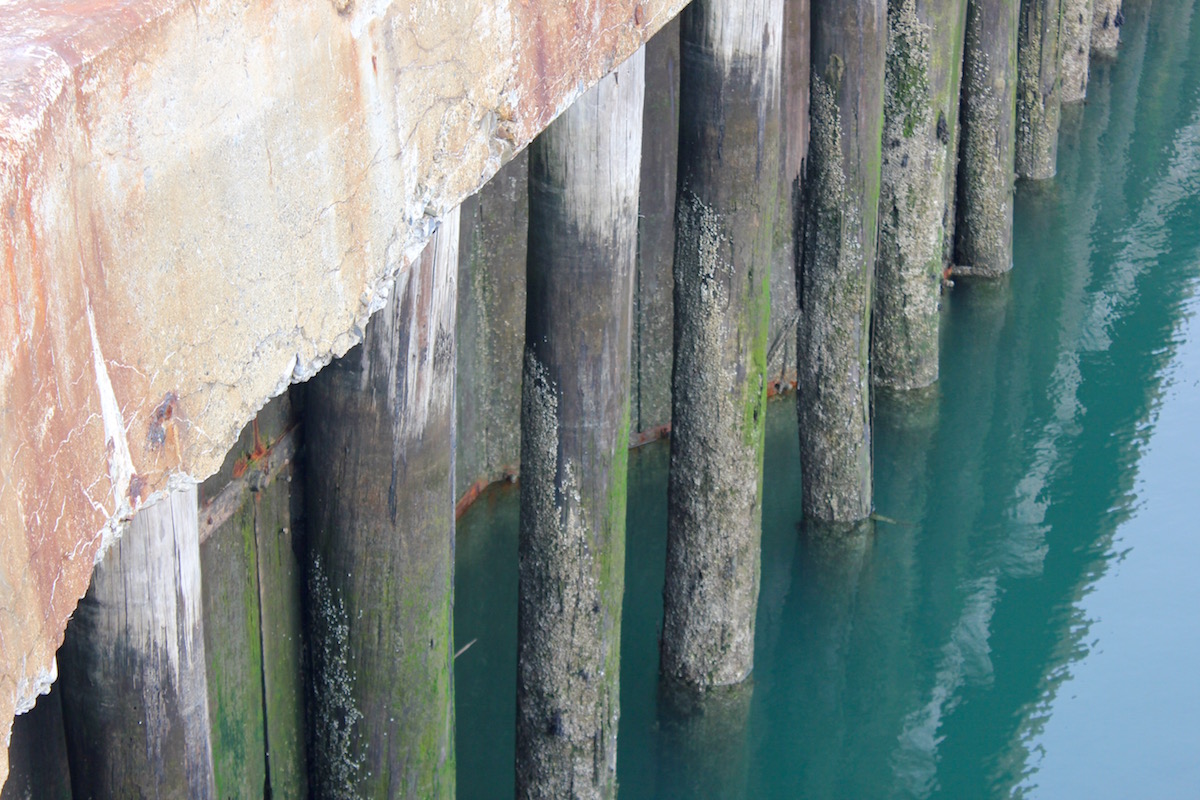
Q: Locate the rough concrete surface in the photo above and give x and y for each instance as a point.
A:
(201, 202)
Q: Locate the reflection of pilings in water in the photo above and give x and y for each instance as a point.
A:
(1127, 306)
(135, 697)
(985, 166)
(725, 207)
(379, 432)
(1088, 315)
(976, 320)
(1039, 90)
(883, 664)
(921, 103)
(830, 559)
(583, 192)
(1140, 298)
(837, 265)
(1075, 44)
(703, 739)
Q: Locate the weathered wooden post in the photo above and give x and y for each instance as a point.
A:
(921, 93)
(379, 434)
(1075, 44)
(650, 378)
(37, 753)
(793, 143)
(583, 199)
(1107, 20)
(135, 695)
(1039, 88)
(490, 329)
(253, 610)
(726, 200)
(837, 265)
(986, 156)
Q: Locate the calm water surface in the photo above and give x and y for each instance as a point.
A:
(1023, 618)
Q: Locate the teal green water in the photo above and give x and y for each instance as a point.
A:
(1024, 619)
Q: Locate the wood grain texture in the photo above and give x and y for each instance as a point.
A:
(135, 692)
(584, 173)
(836, 276)
(986, 166)
(725, 206)
(379, 499)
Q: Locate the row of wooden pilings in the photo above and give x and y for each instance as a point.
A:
(254, 638)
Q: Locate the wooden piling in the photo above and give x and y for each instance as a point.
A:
(37, 753)
(793, 143)
(1075, 44)
(379, 496)
(253, 620)
(135, 696)
(841, 204)
(1107, 19)
(921, 94)
(726, 201)
(650, 378)
(490, 328)
(583, 199)
(986, 157)
(1039, 88)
